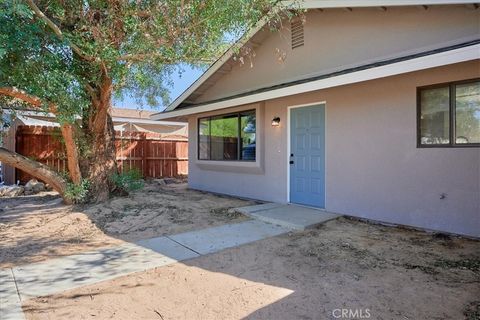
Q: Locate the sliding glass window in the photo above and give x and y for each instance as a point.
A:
(230, 137)
(449, 115)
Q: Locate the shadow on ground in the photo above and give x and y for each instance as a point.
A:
(344, 264)
(37, 228)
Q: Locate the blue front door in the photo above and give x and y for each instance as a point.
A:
(307, 156)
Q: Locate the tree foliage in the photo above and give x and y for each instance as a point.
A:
(56, 57)
(68, 57)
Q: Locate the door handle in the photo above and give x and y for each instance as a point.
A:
(291, 161)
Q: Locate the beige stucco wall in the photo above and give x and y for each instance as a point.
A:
(337, 39)
(373, 167)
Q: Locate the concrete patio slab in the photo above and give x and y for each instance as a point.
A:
(231, 235)
(56, 275)
(289, 215)
(10, 305)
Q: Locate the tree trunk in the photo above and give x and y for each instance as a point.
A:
(68, 131)
(101, 164)
(72, 153)
(35, 169)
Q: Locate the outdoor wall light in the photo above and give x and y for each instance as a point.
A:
(276, 122)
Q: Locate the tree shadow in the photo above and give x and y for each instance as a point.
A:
(19, 207)
(33, 228)
(320, 275)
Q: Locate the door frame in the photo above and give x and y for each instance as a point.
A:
(289, 109)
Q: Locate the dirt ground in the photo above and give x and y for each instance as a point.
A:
(377, 271)
(35, 228)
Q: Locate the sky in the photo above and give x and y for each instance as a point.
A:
(180, 83)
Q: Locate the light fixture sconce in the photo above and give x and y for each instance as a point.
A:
(276, 122)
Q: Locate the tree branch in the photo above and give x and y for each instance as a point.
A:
(91, 92)
(57, 30)
(25, 97)
(145, 56)
(35, 169)
(68, 131)
(20, 95)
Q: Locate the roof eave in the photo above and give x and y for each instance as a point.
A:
(442, 58)
(306, 4)
(325, 4)
(216, 65)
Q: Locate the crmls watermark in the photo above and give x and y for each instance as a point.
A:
(351, 313)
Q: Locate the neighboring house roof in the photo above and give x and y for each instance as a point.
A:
(165, 131)
(220, 67)
(123, 119)
(137, 116)
(119, 115)
(30, 121)
(114, 112)
(131, 113)
(145, 121)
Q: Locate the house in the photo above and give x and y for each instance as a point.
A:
(30, 134)
(364, 108)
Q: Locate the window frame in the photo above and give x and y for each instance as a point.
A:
(239, 147)
(452, 113)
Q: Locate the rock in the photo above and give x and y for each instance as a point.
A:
(34, 186)
(39, 187)
(29, 185)
(160, 182)
(170, 180)
(11, 191)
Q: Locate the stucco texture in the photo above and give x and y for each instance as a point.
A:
(373, 168)
(337, 39)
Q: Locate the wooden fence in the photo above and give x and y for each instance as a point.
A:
(154, 156)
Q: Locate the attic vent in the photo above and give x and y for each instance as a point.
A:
(297, 33)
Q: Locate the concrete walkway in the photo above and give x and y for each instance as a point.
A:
(56, 275)
(10, 305)
(70, 272)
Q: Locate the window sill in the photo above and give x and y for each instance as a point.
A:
(252, 167)
(448, 146)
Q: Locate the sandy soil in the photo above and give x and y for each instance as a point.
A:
(40, 227)
(161, 210)
(344, 264)
(36, 228)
